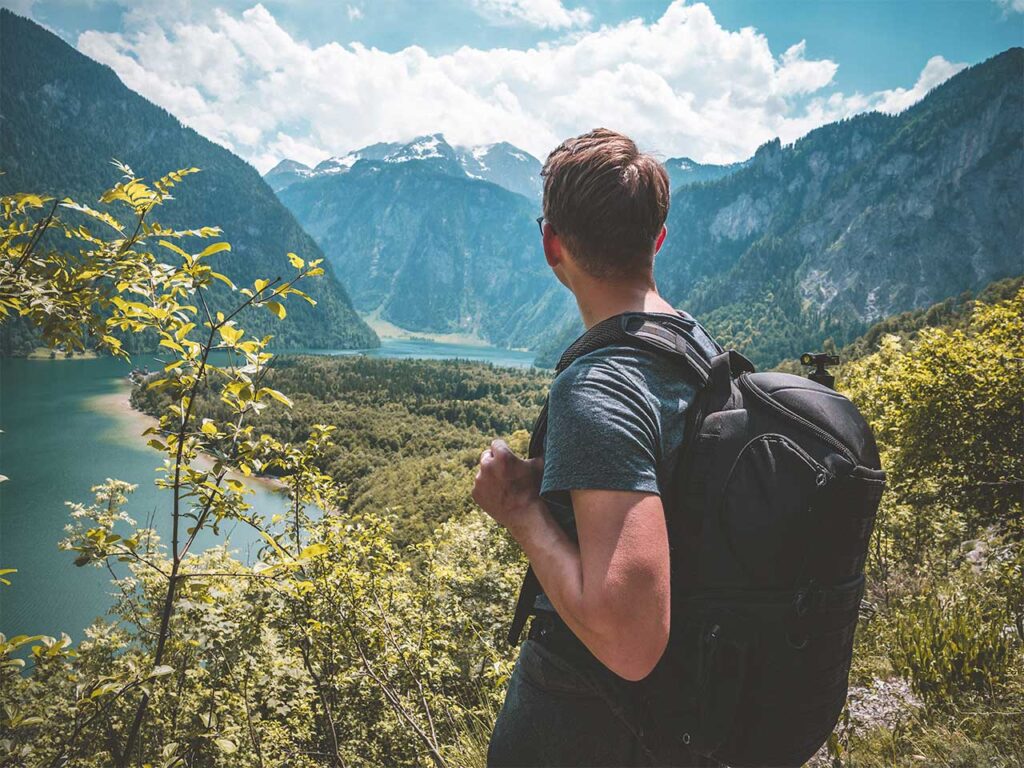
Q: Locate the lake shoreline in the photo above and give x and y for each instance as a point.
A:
(45, 353)
(132, 423)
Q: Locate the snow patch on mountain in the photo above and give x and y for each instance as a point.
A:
(500, 163)
(421, 148)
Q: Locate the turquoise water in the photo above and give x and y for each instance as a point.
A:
(433, 350)
(65, 429)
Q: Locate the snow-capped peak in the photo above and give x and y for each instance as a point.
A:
(420, 148)
(337, 164)
(289, 166)
(500, 163)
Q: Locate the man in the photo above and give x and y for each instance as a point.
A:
(589, 514)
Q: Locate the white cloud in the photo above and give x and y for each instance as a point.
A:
(354, 12)
(1011, 5)
(935, 72)
(679, 85)
(544, 14)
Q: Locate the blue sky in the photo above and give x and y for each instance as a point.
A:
(712, 80)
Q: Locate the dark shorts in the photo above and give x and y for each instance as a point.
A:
(561, 711)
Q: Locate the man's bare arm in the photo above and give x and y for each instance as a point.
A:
(612, 589)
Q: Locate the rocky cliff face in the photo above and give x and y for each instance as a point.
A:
(858, 220)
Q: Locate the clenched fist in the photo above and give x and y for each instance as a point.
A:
(507, 487)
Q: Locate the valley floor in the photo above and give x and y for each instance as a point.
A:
(388, 330)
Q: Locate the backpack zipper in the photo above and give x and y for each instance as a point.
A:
(821, 473)
(770, 401)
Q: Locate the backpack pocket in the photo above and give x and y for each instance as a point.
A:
(695, 694)
(764, 512)
(769, 678)
(723, 648)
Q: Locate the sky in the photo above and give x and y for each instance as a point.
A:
(712, 80)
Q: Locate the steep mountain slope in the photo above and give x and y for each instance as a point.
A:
(65, 116)
(500, 163)
(858, 220)
(954, 312)
(505, 165)
(433, 252)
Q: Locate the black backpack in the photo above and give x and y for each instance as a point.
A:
(769, 516)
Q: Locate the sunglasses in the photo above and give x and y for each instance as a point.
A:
(540, 225)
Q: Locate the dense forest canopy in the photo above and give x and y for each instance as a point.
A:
(408, 432)
(65, 117)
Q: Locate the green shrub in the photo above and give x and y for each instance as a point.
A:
(950, 645)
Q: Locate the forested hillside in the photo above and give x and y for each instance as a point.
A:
(952, 313)
(939, 664)
(65, 117)
(856, 221)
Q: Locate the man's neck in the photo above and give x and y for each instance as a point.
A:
(600, 300)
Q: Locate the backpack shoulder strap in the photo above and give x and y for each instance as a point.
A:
(631, 328)
(638, 329)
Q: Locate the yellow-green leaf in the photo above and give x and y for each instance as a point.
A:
(313, 550)
(277, 308)
(174, 248)
(223, 278)
(274, 544)
(231, 335)
(212, 249)
(279, 396)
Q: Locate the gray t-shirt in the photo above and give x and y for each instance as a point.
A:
(616, 418)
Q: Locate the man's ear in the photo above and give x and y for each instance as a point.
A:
(661, 238)
(553, 252)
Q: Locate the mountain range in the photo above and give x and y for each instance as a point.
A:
(426, 236)
(682, 171)
(500, 163)
(65, 117)
(433, 252)
(859, 219)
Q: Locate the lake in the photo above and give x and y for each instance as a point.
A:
(66, 428)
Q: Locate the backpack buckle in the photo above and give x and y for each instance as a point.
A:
(808, 599)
